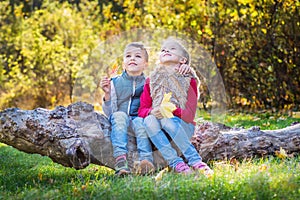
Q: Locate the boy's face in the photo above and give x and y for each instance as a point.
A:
(134, 61)
(171, 52)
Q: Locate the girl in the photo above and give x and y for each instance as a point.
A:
(184, 95)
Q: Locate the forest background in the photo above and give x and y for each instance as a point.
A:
(255, 45)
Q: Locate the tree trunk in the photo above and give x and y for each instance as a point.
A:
(76, 136)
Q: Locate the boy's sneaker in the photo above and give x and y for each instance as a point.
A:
(121, 166)
(182, 168)
(145, 167)
(202, 167)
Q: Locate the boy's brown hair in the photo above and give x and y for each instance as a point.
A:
(140, 46)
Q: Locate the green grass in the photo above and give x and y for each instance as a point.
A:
(31, 176)
(265, 120)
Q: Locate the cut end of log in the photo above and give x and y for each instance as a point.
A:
(78, 155)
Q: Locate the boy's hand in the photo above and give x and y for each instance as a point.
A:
(183, 69)
(156, 112)
(105, 86)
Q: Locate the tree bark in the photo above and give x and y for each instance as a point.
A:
(76, 135)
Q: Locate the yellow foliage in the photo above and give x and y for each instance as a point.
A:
(263, 167)
(281, 153)
(166, 107)
(114, 69)
(245, 2)
(40, 175)
(296, 115)
(159, 176)
(264, 30)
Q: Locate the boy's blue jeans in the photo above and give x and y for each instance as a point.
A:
(180, 132)
(121, 124)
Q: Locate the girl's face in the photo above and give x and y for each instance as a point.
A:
(171, 52)
(134, 61)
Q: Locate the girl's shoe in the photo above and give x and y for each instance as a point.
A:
(202, 167)
(182, 168)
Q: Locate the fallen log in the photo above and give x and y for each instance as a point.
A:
(218, 142)
(76, 135)
(73, 136)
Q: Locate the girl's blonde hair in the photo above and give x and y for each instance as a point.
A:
(180, 44)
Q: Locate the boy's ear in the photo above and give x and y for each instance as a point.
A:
(146, 65)
(183, 60)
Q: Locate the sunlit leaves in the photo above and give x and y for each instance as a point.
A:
(254, 43)
(49, 45)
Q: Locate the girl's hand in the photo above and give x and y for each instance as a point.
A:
(156, 112)
(183, 69)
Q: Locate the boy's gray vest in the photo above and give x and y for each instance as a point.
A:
(126, 92)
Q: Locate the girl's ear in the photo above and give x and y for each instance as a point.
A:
(183, 60)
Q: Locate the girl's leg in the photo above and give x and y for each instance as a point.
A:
(119, 124)
(160, 140)
(181, 132)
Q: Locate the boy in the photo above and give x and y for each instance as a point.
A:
(121, 103)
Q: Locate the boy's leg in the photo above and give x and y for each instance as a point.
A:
(119, 124)
(143, 142)
(143, 146)
(181, 132)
